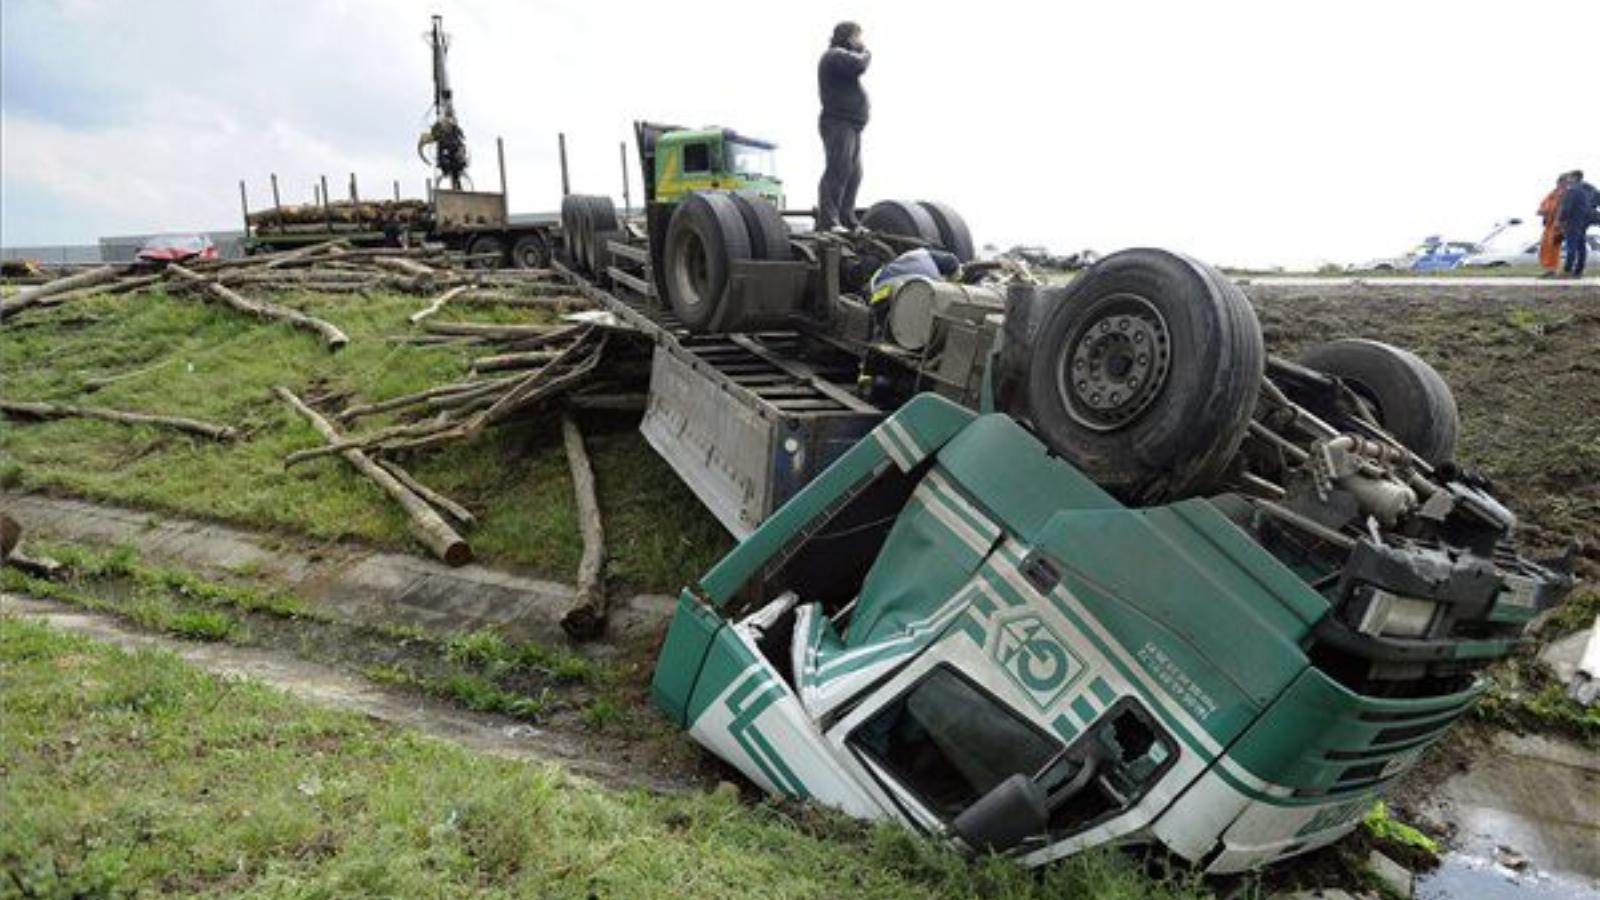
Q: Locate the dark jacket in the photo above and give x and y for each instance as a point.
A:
(1578, 206)
(839, 81)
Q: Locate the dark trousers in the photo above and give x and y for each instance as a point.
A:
(836, 194)
(1577, 242)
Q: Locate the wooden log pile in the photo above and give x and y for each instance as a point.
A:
(518, 373)
(329, 267)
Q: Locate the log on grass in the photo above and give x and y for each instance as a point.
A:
(490, 330)
(42, 410)
(408, 266)
(437, 304)
(455, 510)
(558, 301)
(300, 253)
(330, 333)
(352, 413)
(426, 523)
(35, 295)
(524, 360)
(586, 619)
(491, 409)
(121, 286)
(365, 441)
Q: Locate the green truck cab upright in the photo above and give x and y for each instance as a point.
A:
(700, 159)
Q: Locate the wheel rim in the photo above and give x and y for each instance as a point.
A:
(692, 275)
(1114, 363)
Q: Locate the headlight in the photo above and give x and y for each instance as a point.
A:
(1391, 615)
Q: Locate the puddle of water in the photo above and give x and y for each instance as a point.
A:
(1537, 796)
(1461, 877)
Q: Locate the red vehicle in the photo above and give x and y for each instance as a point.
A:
(165, 248)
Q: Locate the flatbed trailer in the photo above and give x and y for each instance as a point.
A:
(746, 419)
(475, 223)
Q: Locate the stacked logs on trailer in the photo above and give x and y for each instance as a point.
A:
(517, 373)
(361, 214)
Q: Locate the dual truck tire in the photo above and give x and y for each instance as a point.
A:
(709, 229)
(583, 219)
(1144, 372)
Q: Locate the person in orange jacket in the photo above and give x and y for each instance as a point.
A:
(1550, 242)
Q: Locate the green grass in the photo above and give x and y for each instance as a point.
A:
(1385, 828)
(147, 606)
(135, 773)
(1524, 695)
(224, 367)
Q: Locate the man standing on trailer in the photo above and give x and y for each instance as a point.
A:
(844, 114)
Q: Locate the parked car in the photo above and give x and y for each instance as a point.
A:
(1433, 254)
(1526, 254)
(1436, 254)
(165, 248)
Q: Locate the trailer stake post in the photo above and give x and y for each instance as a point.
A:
(505, 207)
(327, 211)
(627, 200)
(566, 186)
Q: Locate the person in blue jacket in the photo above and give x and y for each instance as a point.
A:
(844, 114)
(1580, 208)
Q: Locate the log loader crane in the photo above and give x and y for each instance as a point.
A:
(450, 156)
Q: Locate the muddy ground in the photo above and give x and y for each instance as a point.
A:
(1524, 363)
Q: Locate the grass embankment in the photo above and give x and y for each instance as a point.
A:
(184, 357)
(134, 773)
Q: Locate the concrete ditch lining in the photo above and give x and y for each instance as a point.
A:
(349, 583)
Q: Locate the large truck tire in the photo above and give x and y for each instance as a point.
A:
(1409, 398)
(706, 233)
(905, 219)
(487, 245)
(769, 234)
(602, 217)
(530, 252)
(954, 235)
(1143, 373)
(569, 230)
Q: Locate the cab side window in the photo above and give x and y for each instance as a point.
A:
(696, 157)
(949, 742)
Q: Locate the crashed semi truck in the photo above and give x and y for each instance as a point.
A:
(1036, 568)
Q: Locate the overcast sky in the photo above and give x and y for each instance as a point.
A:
(1243, 132)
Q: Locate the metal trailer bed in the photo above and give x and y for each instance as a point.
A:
(745, 420)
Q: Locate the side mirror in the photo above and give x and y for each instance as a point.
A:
(1012, 812)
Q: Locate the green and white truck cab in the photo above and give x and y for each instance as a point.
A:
(954, 628)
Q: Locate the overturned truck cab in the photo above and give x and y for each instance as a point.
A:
(957, 629)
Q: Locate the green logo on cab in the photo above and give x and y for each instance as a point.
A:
(1036, 659)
